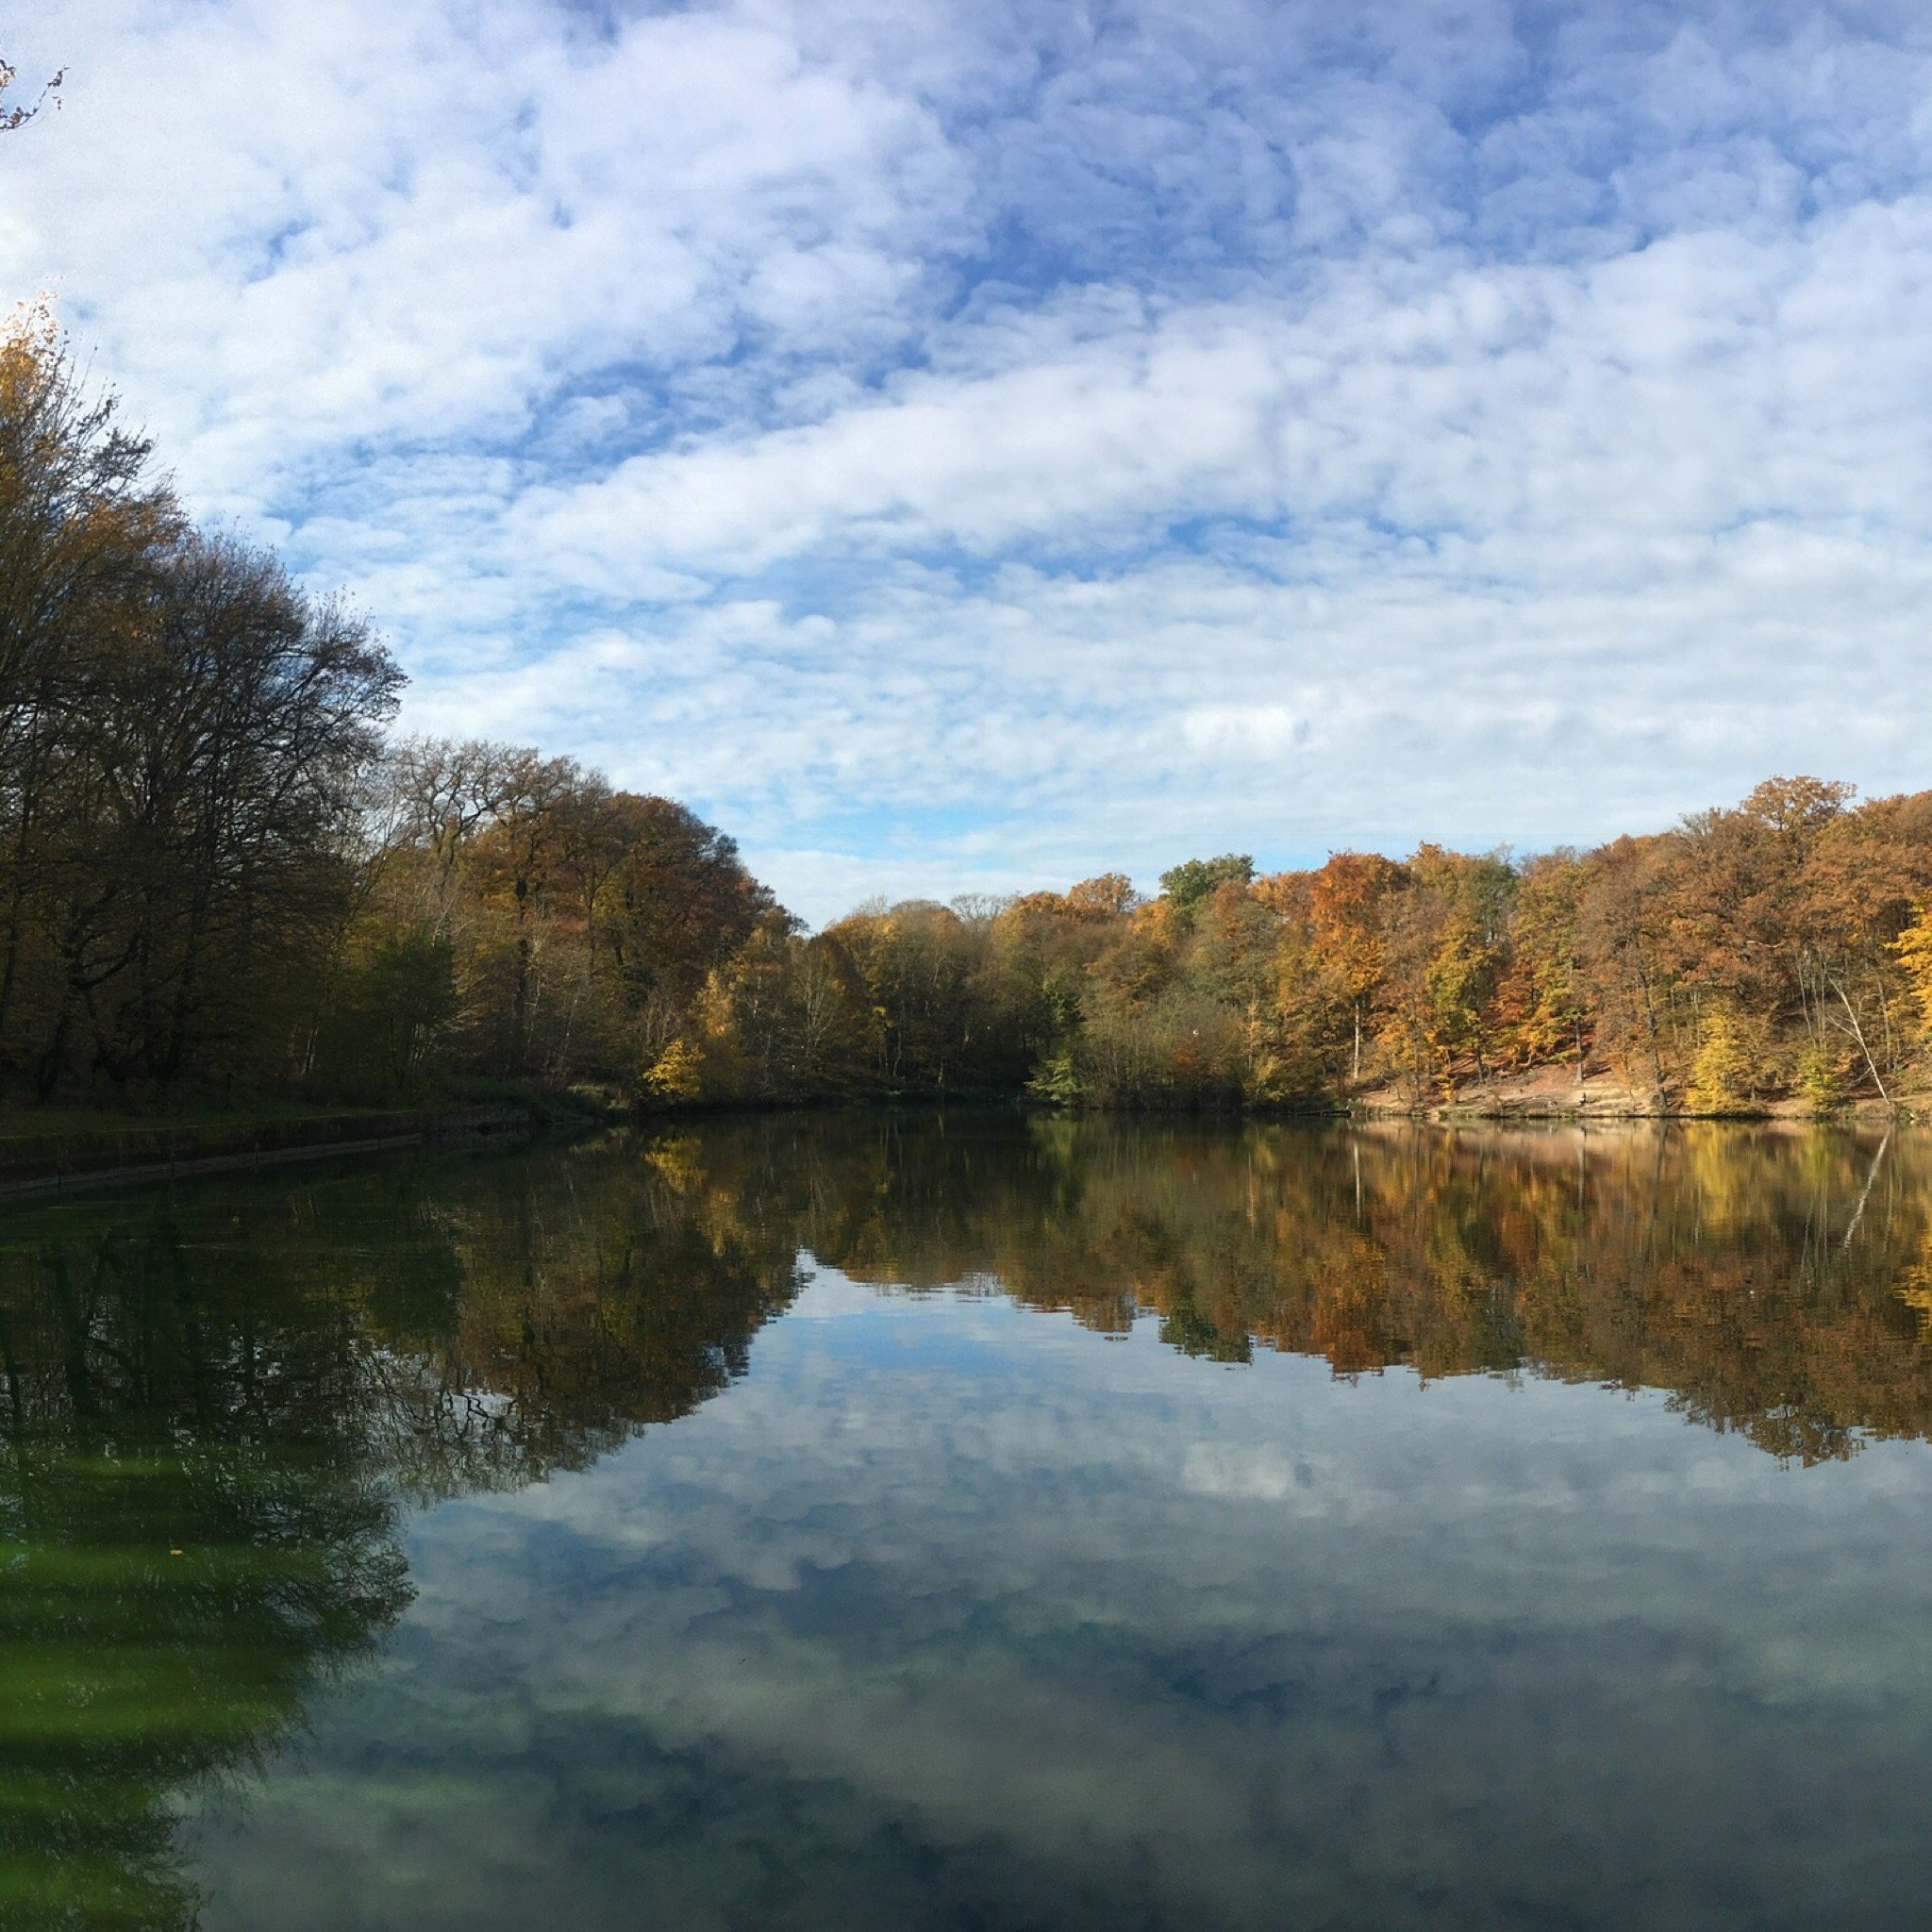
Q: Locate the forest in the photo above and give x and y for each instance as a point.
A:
(224, 874)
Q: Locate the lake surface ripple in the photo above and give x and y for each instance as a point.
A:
(985, 1524)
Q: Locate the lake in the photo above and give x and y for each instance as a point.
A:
(979, 1522)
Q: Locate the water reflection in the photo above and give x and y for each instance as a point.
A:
(217, 1405)
(1776, 1282)
(224, 1408)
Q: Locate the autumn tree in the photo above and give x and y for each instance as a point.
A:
(86, 532)
(1618, 936)
(1543, 1002)
(205, 804)
(1346, 901)
(1913, 947)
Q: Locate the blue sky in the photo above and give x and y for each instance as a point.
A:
(965, 446)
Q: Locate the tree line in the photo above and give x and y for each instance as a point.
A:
(1777, 950)
(222, 872)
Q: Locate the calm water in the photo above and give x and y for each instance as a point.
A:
(838, 1524)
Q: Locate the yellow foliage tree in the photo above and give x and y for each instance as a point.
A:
(1914, 949)
(1721, 1075)
(677, 1075)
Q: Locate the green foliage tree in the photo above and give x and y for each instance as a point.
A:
(389, 1016)
(1186, 885)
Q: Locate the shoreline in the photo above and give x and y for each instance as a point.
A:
(142, 1150)
(50, 1166)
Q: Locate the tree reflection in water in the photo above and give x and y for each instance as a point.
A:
(216, 1406)
(1777, 1284)
(220, 1403)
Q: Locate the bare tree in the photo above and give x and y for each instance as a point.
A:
(20, 115)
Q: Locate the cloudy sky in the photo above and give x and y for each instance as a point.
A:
(961, 444)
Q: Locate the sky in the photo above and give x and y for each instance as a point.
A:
(966, 445)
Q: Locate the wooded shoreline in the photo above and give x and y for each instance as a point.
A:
(222, 874)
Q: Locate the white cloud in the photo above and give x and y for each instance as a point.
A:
(359, 223)
(1699, 381)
